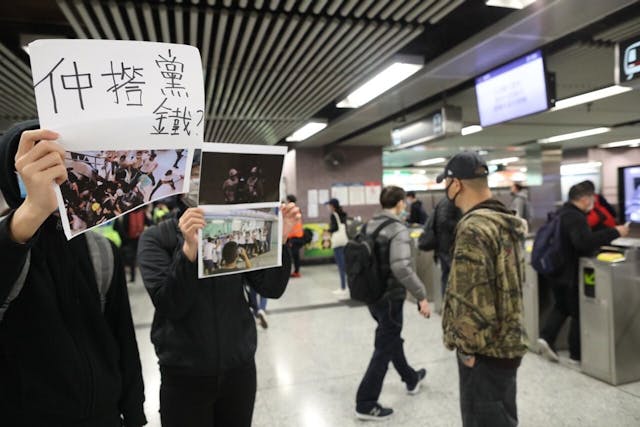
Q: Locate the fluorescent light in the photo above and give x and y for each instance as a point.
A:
(382, 82)
(505, 161)
(483, 152)
(574, 135)
(628, 143)
(306, 131)
(511, 4)
(430, 162)
(470, 130)
(580, 168)
(590, 97)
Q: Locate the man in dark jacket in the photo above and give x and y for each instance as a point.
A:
(64, 361)
(396, 262)
(203, 331)
(438, 236)
(577, 241)
(417, 214)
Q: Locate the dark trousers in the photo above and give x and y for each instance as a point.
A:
(296, 245)
(566, 305)
(388, 348)
(197, 401)
(487, 395)
(129, 251)
(340, 262)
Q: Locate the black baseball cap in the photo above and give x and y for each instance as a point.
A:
(465, 165)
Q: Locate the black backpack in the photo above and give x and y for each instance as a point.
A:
(547, 257)
(366, 274)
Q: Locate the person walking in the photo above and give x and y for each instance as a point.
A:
(296, 241)
(483, 312)
(394, 253)
(203, 330)
(68, 351)
(339, 239)
(520, 204)
(417, 214)
(577, 241)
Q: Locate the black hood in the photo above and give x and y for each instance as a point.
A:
(8, 148)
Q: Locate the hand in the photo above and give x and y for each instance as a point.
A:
(425, 310)
(190, 223)
(291, 217)
(469, 362)
(623, 230)
(40, 162)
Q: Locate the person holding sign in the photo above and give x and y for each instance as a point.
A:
(203, 330)
(68, 351)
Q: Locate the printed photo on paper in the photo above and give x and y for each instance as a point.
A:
(103, 185)
(239, 240)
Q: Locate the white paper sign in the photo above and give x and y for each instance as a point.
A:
(372, 194)
(356, 195)
(323, 196)
(104, 94)
(129, 115)
(341, 192)
(312, 204)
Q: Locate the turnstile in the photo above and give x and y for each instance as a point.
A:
(610, 318)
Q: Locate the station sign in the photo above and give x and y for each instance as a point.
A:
(628, 62)
(444, 122)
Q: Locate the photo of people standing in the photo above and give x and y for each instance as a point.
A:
(105, 184)
(239, 240)
(235, 178)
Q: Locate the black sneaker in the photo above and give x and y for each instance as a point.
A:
(377, 413)
(422, 373)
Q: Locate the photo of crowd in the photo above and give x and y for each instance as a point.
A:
(240, 240)
(103, 185)
(236, 178)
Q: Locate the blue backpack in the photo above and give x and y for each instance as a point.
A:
(547, 257)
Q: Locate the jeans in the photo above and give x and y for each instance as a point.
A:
(388, 348)
(566, 305)
(339, 255)
(207, 401)
(257, 301)
(487, 395)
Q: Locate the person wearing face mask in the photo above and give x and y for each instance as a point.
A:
(577, 241)
(482, 317)
(203, 330)
(68, 351)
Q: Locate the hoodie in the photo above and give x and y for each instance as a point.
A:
(63, 361)
(483, 312)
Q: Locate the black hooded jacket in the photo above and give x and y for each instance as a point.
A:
(63, 362)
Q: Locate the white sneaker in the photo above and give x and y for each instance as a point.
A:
(339, 291)
(545, 351)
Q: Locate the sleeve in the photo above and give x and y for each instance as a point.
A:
(333, 224)
(14, 255)
(428, 240)
(400, 260)
(118, 316)
(470, 310)
(517, 205)
(271, 282)
(583, 239)
(170, 279)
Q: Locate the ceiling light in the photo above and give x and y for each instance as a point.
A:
(505, 161)
(574, 135)
(382, 82)
(430, 162)
(306, 131)
(617, 144)
(590, 97)
(483, 152)
(470, 130)
(511, 4)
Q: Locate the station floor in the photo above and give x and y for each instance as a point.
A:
(311, 360)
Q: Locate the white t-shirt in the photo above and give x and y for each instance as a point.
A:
(209, 249)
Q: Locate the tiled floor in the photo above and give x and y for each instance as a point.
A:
(312, 357)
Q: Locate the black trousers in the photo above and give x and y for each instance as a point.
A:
(296, 245)
(388, 348)
(197, 401)
(566, 304)
(487, 395)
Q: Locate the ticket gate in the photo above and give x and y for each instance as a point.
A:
(428, 271)
(610, 316)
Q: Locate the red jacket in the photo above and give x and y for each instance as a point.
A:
(600, 216)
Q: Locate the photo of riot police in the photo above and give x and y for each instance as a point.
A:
(239, 178)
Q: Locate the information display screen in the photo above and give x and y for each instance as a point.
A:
(629, 193)
(514, 90)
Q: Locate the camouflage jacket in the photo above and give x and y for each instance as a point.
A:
(483, 303)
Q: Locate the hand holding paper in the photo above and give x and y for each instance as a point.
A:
(291, 216)
(191, 222)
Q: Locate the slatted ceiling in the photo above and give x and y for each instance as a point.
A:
(16, 91)
(424, 5)
(621, 32)
(445, 11)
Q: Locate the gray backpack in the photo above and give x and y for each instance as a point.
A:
(103, 265)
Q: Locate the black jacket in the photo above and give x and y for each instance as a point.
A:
(200, 327)
(440, 230)
(578, 241)
(333, 223)
(62, 361)
(417, 215)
